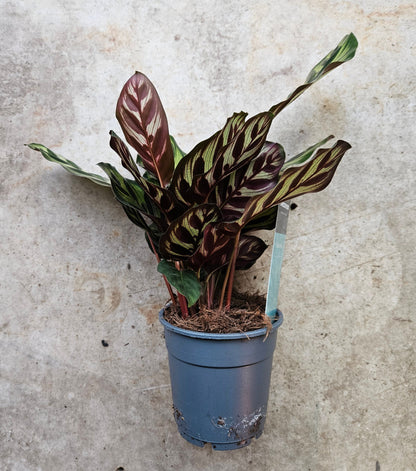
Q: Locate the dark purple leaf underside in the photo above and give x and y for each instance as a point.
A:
(145, 126)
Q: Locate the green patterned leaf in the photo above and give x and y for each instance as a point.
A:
(143, 120)
(178, 154)
(255, 177)
(313, 176)
(68, 165)
(184, 235)
(301, 158)
(216, 247)
(185, 281)
(342, 53)
(202, 157)
(163, 197)
(130, 194)
(245, 146)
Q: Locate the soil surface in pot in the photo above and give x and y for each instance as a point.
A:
(246, 314)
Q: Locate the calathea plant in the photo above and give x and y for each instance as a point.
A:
(199, 210)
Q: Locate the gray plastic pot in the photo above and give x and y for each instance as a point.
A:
(220, 383)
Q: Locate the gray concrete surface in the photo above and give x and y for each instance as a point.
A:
(343, 392)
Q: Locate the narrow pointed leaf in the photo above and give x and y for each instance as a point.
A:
(163, 197)
(202, 157)
(184, 235)
(313, 176)
(178, 153)
(129, 193)
(68, 165)
(256, 177)
(145, 126)
(302, 157)
(185, 281)
(245, 146)
(342, 53)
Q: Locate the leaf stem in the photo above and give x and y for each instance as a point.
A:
(229, 275)
(182, 300)
(172, 296)
(232, 271)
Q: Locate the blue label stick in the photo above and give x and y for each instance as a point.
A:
(277, 258)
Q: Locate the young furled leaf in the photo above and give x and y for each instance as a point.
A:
(143, 121)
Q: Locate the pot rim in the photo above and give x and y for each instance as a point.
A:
(215, 336)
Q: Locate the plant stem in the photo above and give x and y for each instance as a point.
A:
(229, 276)
(182, 300)
(172, 296)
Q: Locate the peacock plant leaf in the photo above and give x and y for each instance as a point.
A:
(185, 281)
(68, 165)
(216, 247)
(202, 157)
(184, 235)
(259, 175)
(245, 146)
(162, 197)
(344, 52)
(129, 193)
(313, 176)
(178, 153)
(145, 126)
(301, 158)
(250, 249)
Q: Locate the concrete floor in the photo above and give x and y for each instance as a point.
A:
(75, 271)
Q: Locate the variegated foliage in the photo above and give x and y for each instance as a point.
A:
(198, 209)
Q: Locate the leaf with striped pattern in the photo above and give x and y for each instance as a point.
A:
(250, 249)
(216, 247)
(256, 177)
(145, 126)
(313, 176)
(129, 193)
(344, 52)
(184, 235)
(245, 146)
(68, 165)
(301, 158)
(202, 157)
(163, 197)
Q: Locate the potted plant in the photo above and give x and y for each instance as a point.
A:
(199, 211)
